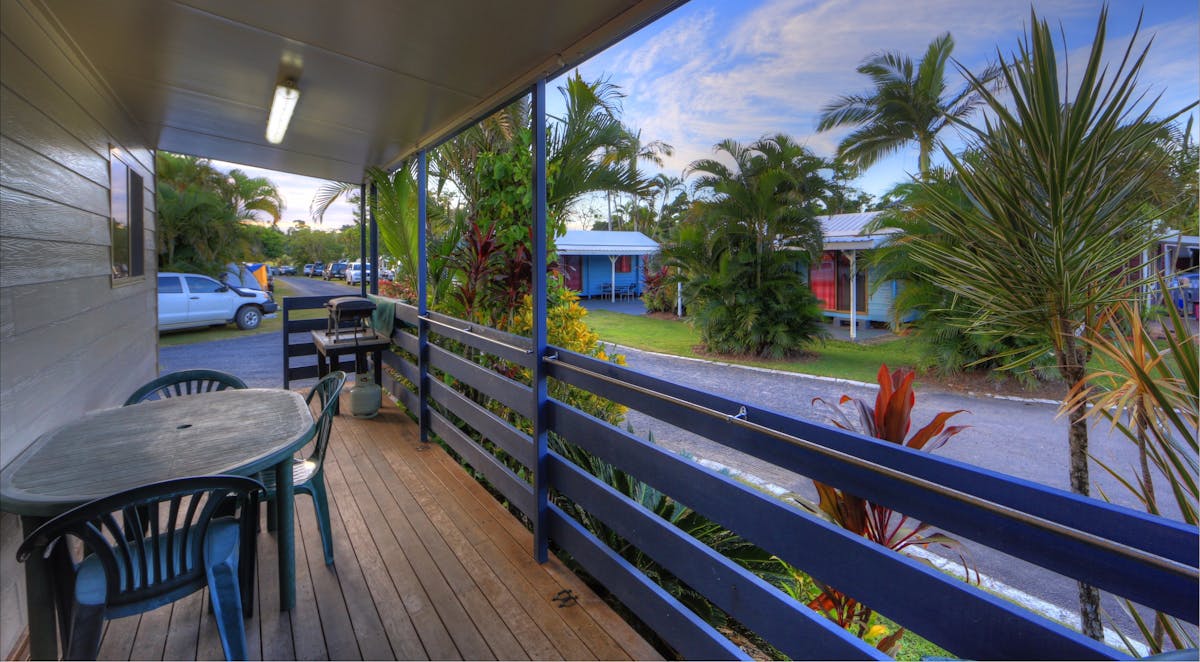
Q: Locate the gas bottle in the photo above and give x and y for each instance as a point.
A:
(365, 396)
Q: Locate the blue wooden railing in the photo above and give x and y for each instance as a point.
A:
(1150, 560)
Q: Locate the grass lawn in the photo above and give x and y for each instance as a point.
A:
(204, 334)
(833, 358)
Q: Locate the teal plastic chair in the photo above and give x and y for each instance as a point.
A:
(185, 382)
(308, 474)
(152, 545)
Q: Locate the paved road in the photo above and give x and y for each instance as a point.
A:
(1023, 439)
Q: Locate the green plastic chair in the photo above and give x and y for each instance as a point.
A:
(185, 382)
(149, 546)
(308, 474)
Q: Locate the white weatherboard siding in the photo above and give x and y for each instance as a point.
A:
(69, 341)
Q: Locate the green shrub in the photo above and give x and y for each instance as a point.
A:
(774, 318)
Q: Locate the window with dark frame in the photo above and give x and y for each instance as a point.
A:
(127, 225)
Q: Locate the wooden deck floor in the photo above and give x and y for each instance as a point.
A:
(428, 566)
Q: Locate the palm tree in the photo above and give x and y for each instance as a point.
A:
(1051, 233)
(252, 196)
(767, 200)
(664, 185)
(580, 147)
(197, 225)
(634, 151)
(743, 288)
(908, 104)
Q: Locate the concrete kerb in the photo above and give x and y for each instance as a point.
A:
(821, 378)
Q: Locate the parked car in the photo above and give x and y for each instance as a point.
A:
(335, 270)
(190, 300)
(355, 273)
(272, 271)
(386, 274)
(287, 270)
(318, 270)
(308, 270)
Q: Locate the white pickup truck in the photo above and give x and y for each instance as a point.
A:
(188, 300)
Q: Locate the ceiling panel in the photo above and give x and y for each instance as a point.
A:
(378, 78)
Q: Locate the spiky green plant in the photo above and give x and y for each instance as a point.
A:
(1054, 228)
(1147, 390)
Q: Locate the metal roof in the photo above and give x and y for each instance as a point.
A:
(849, 231)
(850, 225)
(605, 242)
(378, 79)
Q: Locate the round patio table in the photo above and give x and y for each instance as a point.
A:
(235, 431)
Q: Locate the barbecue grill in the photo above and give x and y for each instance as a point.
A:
(348, 316)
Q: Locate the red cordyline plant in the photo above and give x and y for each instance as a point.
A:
(890, 419)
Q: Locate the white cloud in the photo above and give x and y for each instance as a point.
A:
(716, 71)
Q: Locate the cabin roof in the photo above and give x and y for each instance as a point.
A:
(605, 242)
(849, 231)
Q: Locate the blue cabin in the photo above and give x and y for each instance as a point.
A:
(604, 262)
(846, 239)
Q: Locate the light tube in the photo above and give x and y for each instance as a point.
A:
(282, 106)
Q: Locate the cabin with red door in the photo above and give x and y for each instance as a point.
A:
(843, 274)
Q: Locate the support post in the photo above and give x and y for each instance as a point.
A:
(364, 210)
(679, 299)
(853, 295)
(423, 394)
(541, 483)
(612, 259)
(1147, 289)
(374, 240)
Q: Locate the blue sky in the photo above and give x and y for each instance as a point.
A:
(741, 69)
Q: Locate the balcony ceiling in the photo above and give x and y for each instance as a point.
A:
(378, 79)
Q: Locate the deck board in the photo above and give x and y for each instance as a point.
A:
(428, 566)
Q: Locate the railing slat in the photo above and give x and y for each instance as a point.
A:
(675, 623)
(406, 341)
(498, 431)
(306, 302)
(1103, 567)
(406, 313)
(507, 346)
(500, 476)
(306, 325)
(513, 395)
(406, 397)
(787, 624)
(940, 608)
(401, 365)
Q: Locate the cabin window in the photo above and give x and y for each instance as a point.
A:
(624, 264)
(127, 256)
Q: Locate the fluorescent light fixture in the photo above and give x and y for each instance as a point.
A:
(286, 96)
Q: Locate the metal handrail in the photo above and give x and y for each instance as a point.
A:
(739, 419)
(467, 331)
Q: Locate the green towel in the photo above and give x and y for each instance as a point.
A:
(383, 320)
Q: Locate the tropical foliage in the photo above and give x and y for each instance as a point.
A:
(659, 295)
(925, 309)
(205, 217)
(889, 420)
(752, 223)
(1048, 241)
(1147, 390)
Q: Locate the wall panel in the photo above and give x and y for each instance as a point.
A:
(70, 341)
